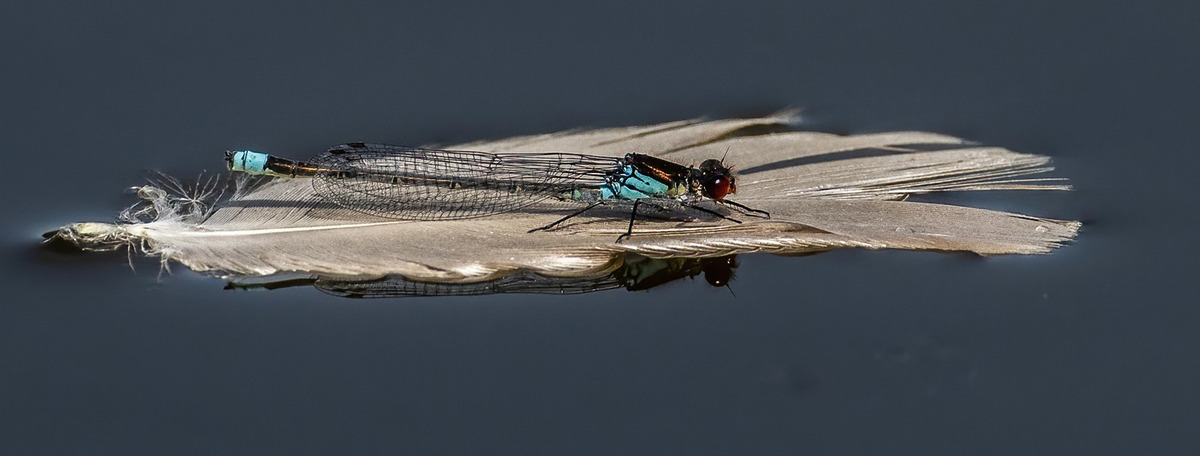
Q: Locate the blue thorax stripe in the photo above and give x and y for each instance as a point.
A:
(629, 184)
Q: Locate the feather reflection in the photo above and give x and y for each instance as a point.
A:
(631, 272)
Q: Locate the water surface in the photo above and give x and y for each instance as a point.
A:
(1091, 349)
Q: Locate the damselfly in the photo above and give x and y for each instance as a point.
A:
(412, 183)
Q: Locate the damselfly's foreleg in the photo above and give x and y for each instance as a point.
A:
(748, 210)
(573, 215)
(710, 211)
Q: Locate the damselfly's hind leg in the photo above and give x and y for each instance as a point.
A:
(573, 215)
(628, 231)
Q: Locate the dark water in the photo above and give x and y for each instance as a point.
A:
(1093, 349)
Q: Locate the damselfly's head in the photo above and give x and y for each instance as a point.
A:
(719, 271)
(715, 179)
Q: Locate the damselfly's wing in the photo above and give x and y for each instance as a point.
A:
(411, 183)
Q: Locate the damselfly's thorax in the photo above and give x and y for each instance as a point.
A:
(712, 179)
(641, 176)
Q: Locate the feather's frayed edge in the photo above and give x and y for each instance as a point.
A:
(163, 202)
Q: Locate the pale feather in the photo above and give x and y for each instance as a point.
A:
(819, 198)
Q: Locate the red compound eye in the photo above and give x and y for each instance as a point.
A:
(718, 188)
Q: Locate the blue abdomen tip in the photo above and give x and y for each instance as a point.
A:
(249, 161)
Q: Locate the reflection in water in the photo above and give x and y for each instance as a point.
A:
(633, 272)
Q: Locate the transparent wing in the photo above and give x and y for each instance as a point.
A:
(427, 184)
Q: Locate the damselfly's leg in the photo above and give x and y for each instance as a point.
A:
(748, 210)
(632, 217)
(710, 211)
(573, 215)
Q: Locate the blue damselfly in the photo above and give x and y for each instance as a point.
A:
(412, 183)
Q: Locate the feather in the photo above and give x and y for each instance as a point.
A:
(823, 191)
